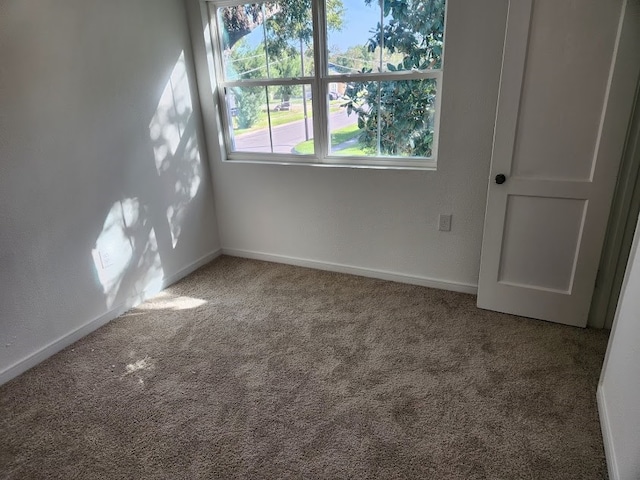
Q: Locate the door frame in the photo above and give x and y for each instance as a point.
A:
(624, 86)
(620, 230)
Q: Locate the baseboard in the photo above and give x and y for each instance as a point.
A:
(192, 267)
(360, 271)
(54, 347)
(612, 466)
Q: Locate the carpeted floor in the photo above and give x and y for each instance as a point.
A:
(255, 370)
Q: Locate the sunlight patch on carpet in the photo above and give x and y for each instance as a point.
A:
(167, 301)
(142, 364)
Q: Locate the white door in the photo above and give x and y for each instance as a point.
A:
(557, 146)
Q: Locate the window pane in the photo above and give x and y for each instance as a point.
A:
(353, 128)
(407, 117)
(243, 36)
(248, 117)
(352, 37)
(284, 128)
(391, 119)
(290, 41)
(291, 129)
(267, 40)
(413, 35)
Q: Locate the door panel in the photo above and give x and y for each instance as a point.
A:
(568, 60)
(545, 225)
(541, 239)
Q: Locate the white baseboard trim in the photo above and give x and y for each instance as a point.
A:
(360, 271)
(192, 267)
(612, 465)
(54, 347)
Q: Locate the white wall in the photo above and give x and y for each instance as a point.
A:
(373, 219)
(619, 388)
(100, 149)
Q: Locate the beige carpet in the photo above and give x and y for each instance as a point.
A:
(254, 370)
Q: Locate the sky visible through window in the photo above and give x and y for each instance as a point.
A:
(358, 21)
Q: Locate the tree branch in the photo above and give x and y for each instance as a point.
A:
(241, 20)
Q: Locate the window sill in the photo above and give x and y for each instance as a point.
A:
(336, 162)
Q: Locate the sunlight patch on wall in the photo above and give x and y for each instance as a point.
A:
(174, 110)
(114, 248)
(172, 114)
(186, 188)
(126, 254)
(175, 146)
(150, 275)
(167, 301)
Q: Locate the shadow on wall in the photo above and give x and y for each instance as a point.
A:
(139, 230)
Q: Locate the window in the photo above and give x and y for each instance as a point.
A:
(347, 82)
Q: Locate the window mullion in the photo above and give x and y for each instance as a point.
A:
(386, 76)
(304, 93)
(436, 125)
(266, 82)
(380, 69)
(218, 73)
(264, 35)
(379, 115)
(266, 92)
(381, 43)
(318, 87)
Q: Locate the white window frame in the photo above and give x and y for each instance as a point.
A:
(319, 85)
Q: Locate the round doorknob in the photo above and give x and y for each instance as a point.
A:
(501, 178)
